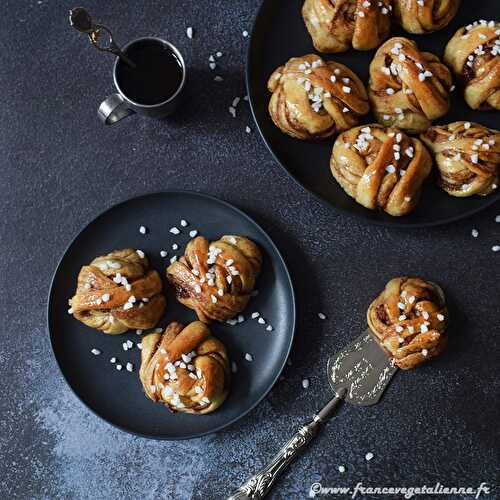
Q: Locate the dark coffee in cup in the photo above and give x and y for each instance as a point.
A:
(153, 88)
(158, 74)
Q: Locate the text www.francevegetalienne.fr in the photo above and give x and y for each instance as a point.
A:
(318, 490)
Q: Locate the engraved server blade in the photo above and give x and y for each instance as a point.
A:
(359, 375)
(363, 369)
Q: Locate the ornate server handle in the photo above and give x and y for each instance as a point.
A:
(259, 485)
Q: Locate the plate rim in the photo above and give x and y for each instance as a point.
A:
(293, 305)
(394, 223)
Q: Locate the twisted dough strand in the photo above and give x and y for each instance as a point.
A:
(474, 55)
(335, 25)
(116, 292)
(381, 168)
(216, 279)
(409, 318)
(468, 157)
(408, 88)
(185, 368)
(314, 99)
(425, 17)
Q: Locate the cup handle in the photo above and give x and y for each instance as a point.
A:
(113, 109)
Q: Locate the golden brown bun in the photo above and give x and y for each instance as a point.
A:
(410, 318)
(336, 25)
(314, 99)
(185, 368)
(432, 15)
(381, 167)
(408, 88)
(467, 156)
(216, 278)
(474, 55)
(118, 292)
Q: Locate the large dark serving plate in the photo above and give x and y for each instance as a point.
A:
(117, 396)
(278, 34)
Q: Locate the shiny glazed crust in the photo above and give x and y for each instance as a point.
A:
(467, 156)
(433, 15)
(408, 88)
(314, 99)
(185, 368)
(336, 25)
(381, 168)
(474, 55)
(409, 318)
(118, 292)
(216, 278)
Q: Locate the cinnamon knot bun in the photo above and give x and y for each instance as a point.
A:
(417, 16)
(336, 25)
(185, 368)
(381, 167)
(408, 88)
(216, 279)
(468, 157)
(474, 55)
(314, 99)
(410, 318)
(118, 292)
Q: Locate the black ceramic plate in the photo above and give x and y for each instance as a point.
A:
(116, 396)
(278, 34)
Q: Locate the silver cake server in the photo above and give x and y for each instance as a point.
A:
(359, 375)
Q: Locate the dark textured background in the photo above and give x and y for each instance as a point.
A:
(60, 168)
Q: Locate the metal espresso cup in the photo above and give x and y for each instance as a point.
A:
(118, 106)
